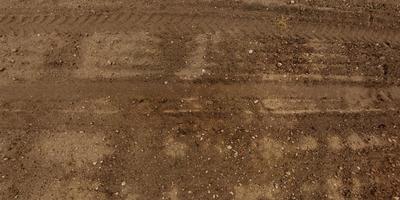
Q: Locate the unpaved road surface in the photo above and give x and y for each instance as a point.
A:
(198, 99)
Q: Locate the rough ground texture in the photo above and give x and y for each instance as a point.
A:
(199, 99)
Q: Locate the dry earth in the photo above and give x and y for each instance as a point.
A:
(199, 99)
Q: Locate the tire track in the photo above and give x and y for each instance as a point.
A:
(265, 99)
(188, 22)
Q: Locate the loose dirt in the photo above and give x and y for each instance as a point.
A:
(199, 99)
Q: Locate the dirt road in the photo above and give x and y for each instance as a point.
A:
(198, 99)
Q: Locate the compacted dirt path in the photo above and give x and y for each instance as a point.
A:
(198, 99)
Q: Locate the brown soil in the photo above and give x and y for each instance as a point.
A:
(199, 99)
